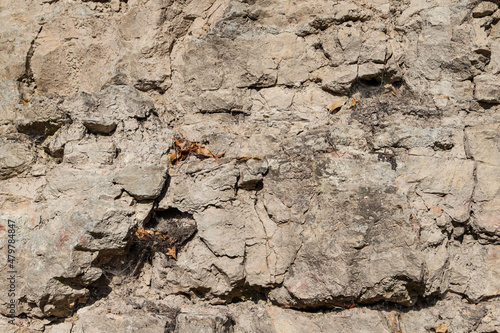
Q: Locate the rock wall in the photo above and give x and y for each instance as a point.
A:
(250, 166)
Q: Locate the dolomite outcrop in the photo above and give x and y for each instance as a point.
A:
(379, 215)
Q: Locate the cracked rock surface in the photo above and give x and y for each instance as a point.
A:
(342, 175)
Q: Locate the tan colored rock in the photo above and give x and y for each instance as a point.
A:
(148, 186)
(40, 116)
(370, 71)
(198, 268)
(484, 8)
(487, 188)
(104, 322)
(374, 47)
(473, 272)
(351, 41)
(487, 88)
(198, 322)
(393, 201)
(436, 180)
(90, 151)
(337, 79)
(482, 143)
(60, 327)
(16, 156)
(212, 223)
(337, 104)
(55, 144)
(275, 319)
(191, 190)
(296, 58)
(494, 65)
(495, 30)
(487, 218)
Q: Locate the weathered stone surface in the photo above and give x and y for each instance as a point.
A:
(90, 151)
(487, 220)
(40, 117)
(148, 187)
(357, 165)
(16, 156)
(487, 88)
(203, 323)
(432, 181)
(63, 327)
(55, 144)
(483, 142)
(484, 8)
(216, 184)
(338, 79)
(274, 319)
(213, 222)
(102, 110)
(473, 271)
(97, 321)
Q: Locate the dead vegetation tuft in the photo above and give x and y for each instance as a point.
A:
(184, 149)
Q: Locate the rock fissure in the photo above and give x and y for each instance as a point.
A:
(26, 80)
(358, 189)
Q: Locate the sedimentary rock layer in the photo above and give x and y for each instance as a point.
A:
(250, 165)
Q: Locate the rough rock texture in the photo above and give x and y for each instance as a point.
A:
(342, 175)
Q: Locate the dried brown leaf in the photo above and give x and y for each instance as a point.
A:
(142, 233)
(246, 158)
(184, 148)
(172, 252)
(389, 88)
(198, 150)
(353, 102)
(443, 328)
(173, 157)
(337, 104)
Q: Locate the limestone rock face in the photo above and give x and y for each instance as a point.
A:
(250, 166)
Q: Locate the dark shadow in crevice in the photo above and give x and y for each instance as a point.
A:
(245, 293)
(98, 290)
(341, 304)
(178, 225)
(487, 106)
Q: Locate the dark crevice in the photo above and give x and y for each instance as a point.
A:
(371, 82)
(27, 80)
(233, 112)
(200, 292)
(486, 105)
(125, 267)
(147, 85)
(244, 293)
(162, 195)
(258, 87)
(442, 145)
(387, 156)
(176, 224)
(460, 230)
(98, 290)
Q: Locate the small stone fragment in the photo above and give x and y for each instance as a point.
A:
(15, 157)
(142, 182)
(484, 8)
